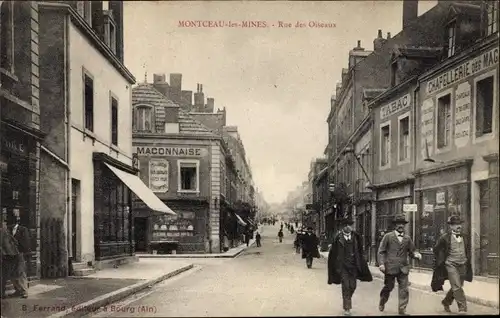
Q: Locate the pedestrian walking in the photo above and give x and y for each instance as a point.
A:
(394, 250)
(346, 263)
(292, 229)
(296, 224)
(310, 244)
(257, 239)
(452, 262)
(297, 242)
(10, 257)
(280, 235)
(22, 235)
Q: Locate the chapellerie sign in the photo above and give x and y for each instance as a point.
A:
(170, 151)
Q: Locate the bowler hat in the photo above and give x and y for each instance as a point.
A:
(346, 221)
(455, 219)
(309, 228)
(399, 219)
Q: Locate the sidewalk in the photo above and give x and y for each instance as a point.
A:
(77, 296)
(480, 291)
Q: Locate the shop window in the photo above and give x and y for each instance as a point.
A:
(484, 106)
(385, 145)
(444, 121)
(84, 8)
(114, 121)
(143, 119)
(7, 36)
(88, 95)
(115, 210)
(188, 176)
(492, 20)
(451, 38)
(404, 138)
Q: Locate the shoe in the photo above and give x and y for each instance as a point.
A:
(402, 313)
(347, 312)
(462, 312)
(446, 307)
(381, 307)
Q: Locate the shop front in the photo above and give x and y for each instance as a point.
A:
(440, 194)
(19, 183)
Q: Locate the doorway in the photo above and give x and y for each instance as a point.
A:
(140, 234)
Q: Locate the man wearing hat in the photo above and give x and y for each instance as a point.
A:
(346, 263)
(310, 244)
(394, 250)
(452, 262)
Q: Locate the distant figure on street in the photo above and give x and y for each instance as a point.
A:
(310, 244)
(298, 241)
(346, 263)
(248, 236)
(257, 239)
(292, 229)
(10, 257)
(453, 263)
(296, 224)
(393, 251)
(280, 235)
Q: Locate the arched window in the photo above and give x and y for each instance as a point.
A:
(143, 118)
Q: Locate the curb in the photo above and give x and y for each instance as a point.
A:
(472, 299)
(181, 256)
(106, 299)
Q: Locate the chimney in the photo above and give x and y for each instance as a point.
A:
(199, 98)
(410, 12)
(158, 78)
(358, 48)
(388, 35)
(379, 41)
(176, 81)
(210, 105)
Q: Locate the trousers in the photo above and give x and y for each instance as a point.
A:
(456, 276)
(348, 283)
(20, 281)
(389, 282)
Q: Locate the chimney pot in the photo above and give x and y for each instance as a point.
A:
(201, 88)
(359, 43)
(388, 35)
(379, 34)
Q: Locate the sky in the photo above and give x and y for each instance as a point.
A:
(275, 82)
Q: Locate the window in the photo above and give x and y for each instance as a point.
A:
(492, 12)
(404, 138)
(484, 106)
(444, 121)
(385, 145)
(451, 38)
(188, 176)
(114, 121)
(84, 8)
(88, 96)
(143, 118)
(7, 36)
(111, 35)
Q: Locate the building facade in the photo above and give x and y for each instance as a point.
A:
(20, 128)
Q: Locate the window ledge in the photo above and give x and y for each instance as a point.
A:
(9, 74)
(403, 162)
(385, 167)
(189, 191)
(484, 137)
(114, 147)
(89, 133)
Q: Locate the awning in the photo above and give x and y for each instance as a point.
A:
(240, 220)
(141, 190)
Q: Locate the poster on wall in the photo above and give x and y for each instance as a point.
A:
(158, 175)
(167, 227)
(462, 114)
(427, 127)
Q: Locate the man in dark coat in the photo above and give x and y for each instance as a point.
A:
(310, 244)
(280, 235)
(298, 241)
(346, 263)
(452, 262)
(10, 257)
(257, 239)
(394, 250)
(22, 236)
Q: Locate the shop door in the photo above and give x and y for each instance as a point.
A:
(140, 232)
(485, 228)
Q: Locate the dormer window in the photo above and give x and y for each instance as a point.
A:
(143, 119)
(452, 28)
(110, 30)
(394, 70)
(84, 8)
(492, 12)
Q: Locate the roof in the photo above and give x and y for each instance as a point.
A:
(147, 94)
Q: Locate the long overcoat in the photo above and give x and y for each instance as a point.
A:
(310, 244)
(441, 252)
(336, 255)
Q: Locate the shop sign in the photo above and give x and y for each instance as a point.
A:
(14, 146)
(158, 175)
(410, 208)
(427, 127)
(394, 107)
(170, 151)
(463, 71)
(440, 198)
(462, 114)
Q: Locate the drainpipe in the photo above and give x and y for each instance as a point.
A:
(67, 118)
(416, 91)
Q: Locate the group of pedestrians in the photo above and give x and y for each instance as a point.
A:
(346, 264)
(15, 251)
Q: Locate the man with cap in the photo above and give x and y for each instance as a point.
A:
(310, 244)
(394, 250)
(346, 263)
(452, 262)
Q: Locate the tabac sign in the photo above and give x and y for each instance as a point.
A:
(395, 106)
(171, 151)
(463, 71)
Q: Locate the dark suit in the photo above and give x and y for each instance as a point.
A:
(22, 237)
(394, 254)
(346, 264)
(310, 244)
(10, 257)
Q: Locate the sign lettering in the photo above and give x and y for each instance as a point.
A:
(463, 71)
(427, 127)
(462, 114)
(170, 151)
(396, 106)
(158, 175)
